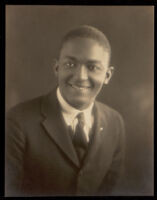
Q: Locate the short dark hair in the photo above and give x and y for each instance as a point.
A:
(86, 31)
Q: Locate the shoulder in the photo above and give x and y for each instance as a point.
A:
(109, 114)
(25, 109)
(107, 110)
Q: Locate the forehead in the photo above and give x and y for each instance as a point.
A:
(84, 48)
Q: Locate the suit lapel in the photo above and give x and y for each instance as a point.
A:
(55, 126)
(99, 145)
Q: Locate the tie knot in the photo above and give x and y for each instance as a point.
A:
(81, 119)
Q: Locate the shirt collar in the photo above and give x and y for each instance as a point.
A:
(70, 112)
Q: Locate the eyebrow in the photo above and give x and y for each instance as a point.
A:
(71, 58)
(88, 61)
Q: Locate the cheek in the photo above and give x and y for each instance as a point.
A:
(98, 80)
(64, 76)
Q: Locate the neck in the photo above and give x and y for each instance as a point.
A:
(66, 104)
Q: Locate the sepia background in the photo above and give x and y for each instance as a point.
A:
(33, 36)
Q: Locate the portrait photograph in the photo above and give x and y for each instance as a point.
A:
(79, 100)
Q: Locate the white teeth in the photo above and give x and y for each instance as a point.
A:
(80, 88)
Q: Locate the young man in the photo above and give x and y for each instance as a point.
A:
(67, 143)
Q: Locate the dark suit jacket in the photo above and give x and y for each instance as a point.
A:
(41, 159)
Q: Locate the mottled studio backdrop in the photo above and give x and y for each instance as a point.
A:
(33, 34)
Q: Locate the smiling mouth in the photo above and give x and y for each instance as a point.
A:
(80, 88)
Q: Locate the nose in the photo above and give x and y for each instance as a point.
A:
(82, 72)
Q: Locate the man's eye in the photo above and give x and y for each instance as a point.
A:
(69, 64)
(93, 67)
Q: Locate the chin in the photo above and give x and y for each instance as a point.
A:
(80, 104)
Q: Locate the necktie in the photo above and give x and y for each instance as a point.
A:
(79, 139)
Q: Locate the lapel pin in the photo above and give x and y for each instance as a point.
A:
(101, 128)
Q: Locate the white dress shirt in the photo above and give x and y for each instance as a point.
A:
(69, 114)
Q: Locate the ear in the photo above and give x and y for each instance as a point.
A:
(55, 66)
(108, 74)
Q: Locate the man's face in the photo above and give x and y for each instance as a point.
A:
(82, 69)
